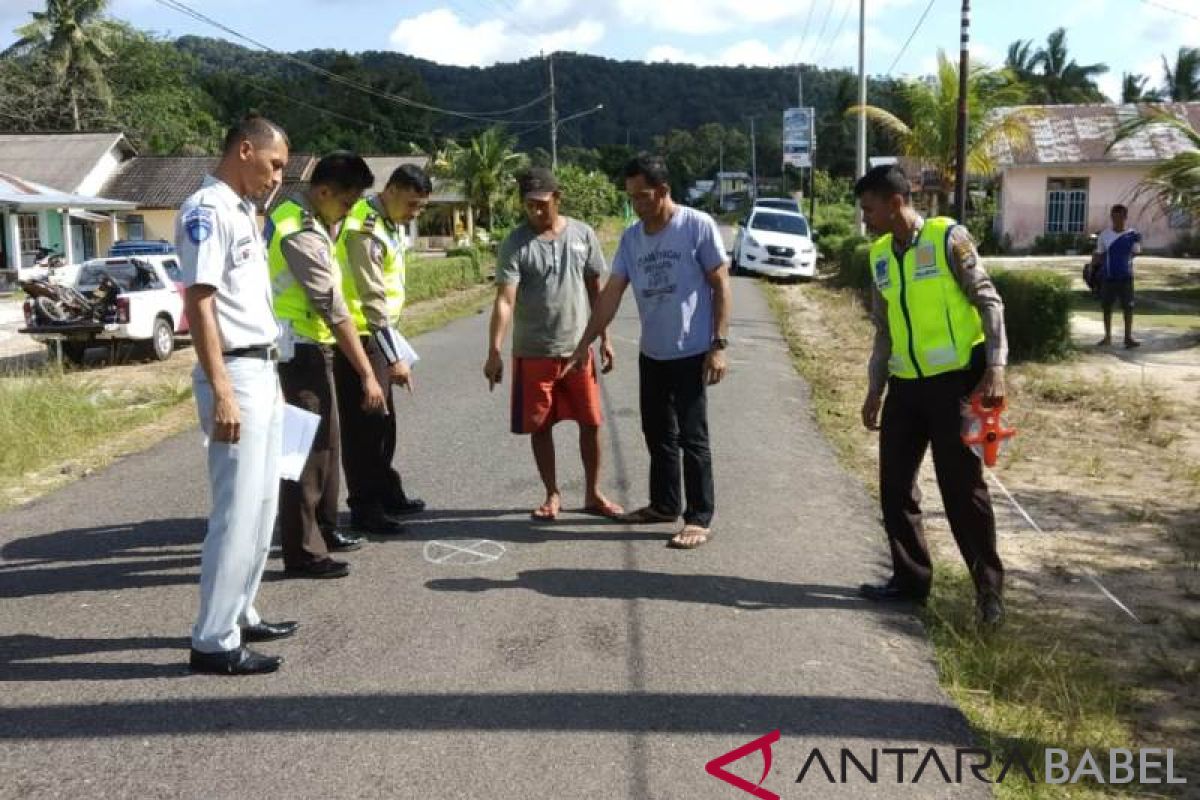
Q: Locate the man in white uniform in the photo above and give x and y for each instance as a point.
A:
(228, 303)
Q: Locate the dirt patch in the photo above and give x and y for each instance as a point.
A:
(1108, 465)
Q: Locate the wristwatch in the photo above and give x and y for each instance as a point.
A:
(719, 343)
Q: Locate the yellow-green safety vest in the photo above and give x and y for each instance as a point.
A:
(366, 219)
(291, 302)
(932, 324)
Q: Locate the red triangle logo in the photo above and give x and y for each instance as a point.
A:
(716, 767)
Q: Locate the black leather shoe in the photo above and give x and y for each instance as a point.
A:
(234, 662)
(889, 592)
(376, 523)
(339, 542)
(991, 610)
(409, 505)
(268, 631)
(325, 568)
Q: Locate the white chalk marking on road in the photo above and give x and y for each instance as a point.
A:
(476, 551)
(1087, 571)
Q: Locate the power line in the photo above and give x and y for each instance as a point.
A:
(911, 36)
(479, 116)
(824, 25)
(799, 49)
(841, 26)
(1178, 11)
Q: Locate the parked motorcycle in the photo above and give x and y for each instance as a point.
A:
(53, 304)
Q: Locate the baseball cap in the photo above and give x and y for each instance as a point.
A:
(537, 183)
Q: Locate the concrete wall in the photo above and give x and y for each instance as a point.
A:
(1023, 203)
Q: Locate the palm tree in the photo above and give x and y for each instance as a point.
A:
(1183, 82)
(1174, 184)
(931, 137)
(1061, 80)
(485, 167)
(1133, 89)
(1021, 60)
(72, 34)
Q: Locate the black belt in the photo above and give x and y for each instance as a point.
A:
(267, 352)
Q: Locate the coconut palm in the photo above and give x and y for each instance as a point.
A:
(485, 167)
(931, 137)
(1061, 80)
(72, 35)
(1183, 82)
(1174, 185)
(1133, 89)
(1021, 61)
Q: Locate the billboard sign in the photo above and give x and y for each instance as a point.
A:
(797, 137)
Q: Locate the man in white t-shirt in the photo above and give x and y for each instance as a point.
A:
(228, 303)
(674, 260)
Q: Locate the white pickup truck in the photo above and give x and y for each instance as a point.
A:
(148, 309)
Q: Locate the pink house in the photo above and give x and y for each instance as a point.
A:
(1069, 179)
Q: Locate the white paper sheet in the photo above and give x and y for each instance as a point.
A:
(299, 430)
(405, 351)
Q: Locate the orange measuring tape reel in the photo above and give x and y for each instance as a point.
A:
(983, 430)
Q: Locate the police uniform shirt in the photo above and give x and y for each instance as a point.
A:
(975, 283)
(219, 245)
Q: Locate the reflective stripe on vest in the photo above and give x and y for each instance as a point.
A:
(291, 302)
(932, 325)
(365, 219)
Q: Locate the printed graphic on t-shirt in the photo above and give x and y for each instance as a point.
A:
(659, 267)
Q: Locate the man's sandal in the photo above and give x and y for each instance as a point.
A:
(647, 515)
(690, 537)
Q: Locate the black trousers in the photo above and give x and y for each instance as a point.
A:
(917, 414)
(368, 440)
(675, 419)
(308, 507)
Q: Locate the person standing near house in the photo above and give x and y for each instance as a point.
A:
(228, 301)
(1115, 248)
(547, 279)
(939, 339)
(309, 303)
(370, 253)
(675, 261)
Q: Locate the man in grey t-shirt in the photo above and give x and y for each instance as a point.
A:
(547, 278)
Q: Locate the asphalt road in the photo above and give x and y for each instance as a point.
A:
(485, 655)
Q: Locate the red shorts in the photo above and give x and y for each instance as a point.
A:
(542, 395)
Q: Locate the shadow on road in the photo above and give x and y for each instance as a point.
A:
(23, 657)
(589, 712)
(746, 594)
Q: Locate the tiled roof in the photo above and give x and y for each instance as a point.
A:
(59, 160)
(166, 181)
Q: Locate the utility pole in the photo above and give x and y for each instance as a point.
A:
(753, 163)
(720, 171)
(861, 159)
(960, 160)
(553, 120)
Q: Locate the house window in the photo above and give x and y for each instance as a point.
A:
(1066, 205)
(27, 226)
(135, 227)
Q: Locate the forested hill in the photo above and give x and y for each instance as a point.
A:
(640, 100)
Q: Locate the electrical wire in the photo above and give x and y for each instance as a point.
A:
(840, 27)
(911, 36)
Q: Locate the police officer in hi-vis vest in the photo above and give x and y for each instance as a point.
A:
(307, 284)
(370, 252)
(939, 339)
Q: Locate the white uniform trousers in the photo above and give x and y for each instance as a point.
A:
(244, 481)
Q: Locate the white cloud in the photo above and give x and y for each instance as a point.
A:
(703, 17)
(440, 35)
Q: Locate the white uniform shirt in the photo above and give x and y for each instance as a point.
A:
(219, 245)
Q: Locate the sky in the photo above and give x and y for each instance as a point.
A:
(1128, 35)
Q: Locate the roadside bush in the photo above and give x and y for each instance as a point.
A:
(1058, 244)
(1037, 313)
(427, 278)
(854, 264)
(1186, 246)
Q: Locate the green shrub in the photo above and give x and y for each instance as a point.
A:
(854, 264)
(1057, 244)
(1187, 245)
(1037, 313)
(427, 278)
